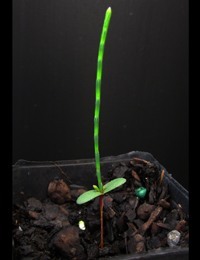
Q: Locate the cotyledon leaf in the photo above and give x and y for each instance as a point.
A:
(111, 185)
(87, 196)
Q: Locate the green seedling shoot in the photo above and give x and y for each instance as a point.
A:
(100, 189)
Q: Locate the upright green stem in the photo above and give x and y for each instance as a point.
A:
(98, 95)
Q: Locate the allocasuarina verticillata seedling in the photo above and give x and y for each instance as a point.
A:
(101, 189)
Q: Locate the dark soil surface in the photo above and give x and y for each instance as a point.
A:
(50, 229)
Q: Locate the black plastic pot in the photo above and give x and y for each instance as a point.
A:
(30, 179)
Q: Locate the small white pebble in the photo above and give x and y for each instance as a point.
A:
(173, 237)
(20, 229)
(81, 225)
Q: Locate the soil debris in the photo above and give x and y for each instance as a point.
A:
(49, 229)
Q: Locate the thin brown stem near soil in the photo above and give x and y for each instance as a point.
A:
(101, 219)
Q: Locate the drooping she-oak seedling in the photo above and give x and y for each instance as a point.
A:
(100, 190)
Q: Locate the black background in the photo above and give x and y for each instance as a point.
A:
(144, 89)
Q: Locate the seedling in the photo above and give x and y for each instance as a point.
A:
(100, 189)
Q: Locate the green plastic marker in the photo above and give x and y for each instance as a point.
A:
(140, 192)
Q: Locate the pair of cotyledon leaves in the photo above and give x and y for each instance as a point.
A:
(92, 194)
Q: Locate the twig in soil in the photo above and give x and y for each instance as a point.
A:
(163, 203)
(135, 175)
(154, 215)
(161, 177)
(164, 192)
(133, 227)
(141, 161)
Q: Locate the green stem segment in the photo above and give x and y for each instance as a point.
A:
(98, 95)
